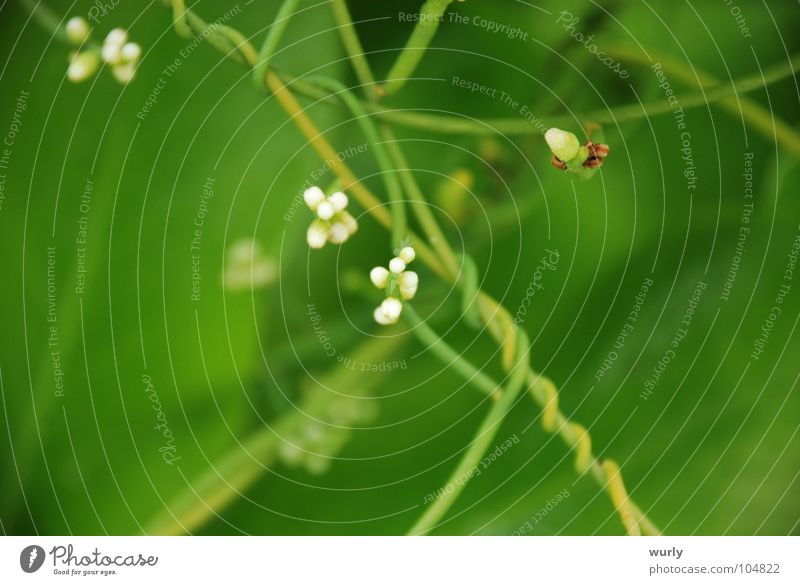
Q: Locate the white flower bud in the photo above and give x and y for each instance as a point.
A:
(77, 30)
(325, 210)
(396, 265)
(349, 221)
(112, 46)
(564, 145)
(407, 254)
(338, 200)
(117, 36)
(408, 279)
(130, 52)
(338, 233)
(391, 309)
(317, 234)
(408, 283)
(82, 66)
(381, 318)
(379, 276)
(124, 73)
(313, 196)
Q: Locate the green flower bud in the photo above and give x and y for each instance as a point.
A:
(564, 145)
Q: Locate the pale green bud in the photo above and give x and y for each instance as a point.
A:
(564, 145)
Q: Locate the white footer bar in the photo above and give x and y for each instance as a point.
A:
(398, 560)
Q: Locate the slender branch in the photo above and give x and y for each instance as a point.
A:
(352, 43)
(274, 36)
(488, 428)
(759, 117)
(455, 124)
(421, 208)
(430, 15)
(389, 174)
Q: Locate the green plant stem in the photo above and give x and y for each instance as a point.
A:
(179, 18)
(756, 115)
(430, 15)
(420, 207)
(488, 428)
(352, 43)
(274, 36)
(448, 355)
(454, 124)
(389, 174)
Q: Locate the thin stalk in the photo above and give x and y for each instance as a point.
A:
(455, 124)
(430, 15)
(179, 18)
(487, 430)
(389, 173)
(274, 36)
(347, 32)
(759, 117)
(421, 209)
(448, 355)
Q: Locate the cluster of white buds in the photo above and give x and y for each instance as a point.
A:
(400, 285)
(333, 223)
(121, 55)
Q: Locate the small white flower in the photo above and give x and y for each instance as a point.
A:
(77, 30)
(408, 282)
(381, 318)
(130, 52)
(338, 233)
(325, 210)
(124, 73)
(313, 196)
(407, 254)
(112, 46)
(379, 276)
(391, 309)
(82, 66)
(338, 200)
(317, 234)
(349, 221)
(396, 265)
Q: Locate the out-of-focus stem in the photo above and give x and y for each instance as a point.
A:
(430, 15)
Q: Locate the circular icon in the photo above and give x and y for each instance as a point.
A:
(31, 558)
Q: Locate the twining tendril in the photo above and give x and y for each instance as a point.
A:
(352, 43)
(469, 291)
(430, 15)
(274, 36)
(491, 423)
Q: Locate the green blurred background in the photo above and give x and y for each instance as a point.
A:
(241, 376)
